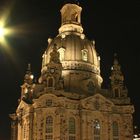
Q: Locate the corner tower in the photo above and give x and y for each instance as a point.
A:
(80, 62)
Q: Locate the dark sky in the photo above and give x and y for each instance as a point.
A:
(115, 25)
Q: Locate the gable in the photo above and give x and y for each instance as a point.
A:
(97, 102)
(48, 100)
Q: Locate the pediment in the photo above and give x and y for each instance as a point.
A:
(48, 100)
(97, 102)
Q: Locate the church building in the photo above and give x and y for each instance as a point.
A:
(67, 102)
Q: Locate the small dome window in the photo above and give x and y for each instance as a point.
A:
(62, 53)
(85, 54)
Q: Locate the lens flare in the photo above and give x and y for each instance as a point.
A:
(2, 32)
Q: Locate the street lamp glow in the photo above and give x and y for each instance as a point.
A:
(2, 32)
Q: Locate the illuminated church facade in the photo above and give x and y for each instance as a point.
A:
(67, 102)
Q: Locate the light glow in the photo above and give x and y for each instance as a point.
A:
(31, 76)
(7, 31)
(2, 32)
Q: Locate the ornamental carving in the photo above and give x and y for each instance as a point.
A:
(128, 127)
(47, 100)
(97, 102)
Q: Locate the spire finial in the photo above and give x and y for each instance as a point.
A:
(28, 76)
(29, 68)
(116, 59)
(117, 79)
(115, 56)
(116, 74)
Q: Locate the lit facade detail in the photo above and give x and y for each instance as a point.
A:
(85, 54)
(49, 128)
(72, 129)
(96, 130)
(68, 102)
(44, 59)
(115, 130)
(62, 53)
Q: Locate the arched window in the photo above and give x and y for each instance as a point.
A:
(50, 82)
(96, 130)
(85, 54)
(62, 52)
(49, 128)
(72, 129)
(115, 131)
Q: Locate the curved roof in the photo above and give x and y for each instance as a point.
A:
(73, 46)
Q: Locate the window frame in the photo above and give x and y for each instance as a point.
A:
(115, 130)
(61, 53)
(85, 52)
(96, 129)
(49, 127)
(72, 128)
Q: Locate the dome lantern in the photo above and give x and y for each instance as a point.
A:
(71, 18)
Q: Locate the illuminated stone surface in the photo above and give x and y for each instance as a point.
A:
(67, 102)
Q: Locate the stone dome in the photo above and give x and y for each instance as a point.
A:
(80, 62)
(75, 48)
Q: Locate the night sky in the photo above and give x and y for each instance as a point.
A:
(115, 25)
